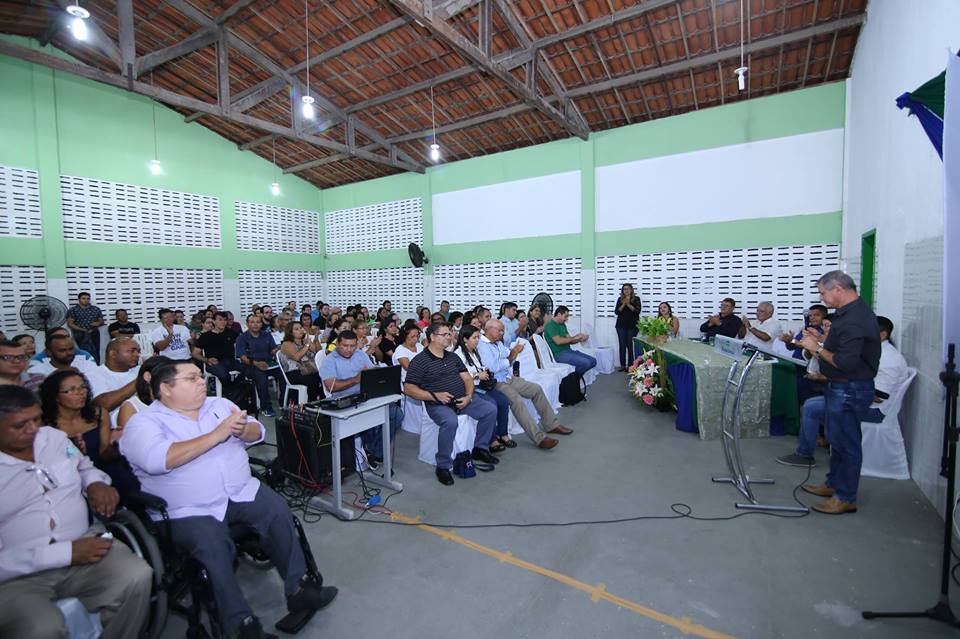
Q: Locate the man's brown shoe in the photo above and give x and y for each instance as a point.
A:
(820, 490)
(560, 430)
(834, 506)
(547, 443)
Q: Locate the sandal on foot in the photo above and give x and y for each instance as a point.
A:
(509, 443)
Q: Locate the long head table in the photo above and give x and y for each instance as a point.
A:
(699, 373)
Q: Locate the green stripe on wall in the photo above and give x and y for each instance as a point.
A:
(818, 108)
(143, 255)
(794, 230)
(524, 248)
(22, 251)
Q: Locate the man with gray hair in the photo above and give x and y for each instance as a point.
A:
(763, 333)
(849, 359)
(499, 359)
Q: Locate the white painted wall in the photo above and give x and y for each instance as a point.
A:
(509, 210)
(792, 175)
(894, 183)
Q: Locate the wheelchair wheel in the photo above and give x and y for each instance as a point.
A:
(127, 527)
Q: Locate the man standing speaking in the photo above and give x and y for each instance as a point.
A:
(849, 359)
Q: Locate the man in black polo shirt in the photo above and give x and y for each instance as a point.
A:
(849, 359)
(216, 349)
(123, 327)
(724, 323)
(438, 378)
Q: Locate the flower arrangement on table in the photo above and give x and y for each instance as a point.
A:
(655, 328)
(649, 381)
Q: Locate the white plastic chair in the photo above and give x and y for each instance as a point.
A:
(302, 394)
(546, 357)
(466, 434)
(603, 354)
(146, 346)
(884, 454)
(547, 379)
(413, 415)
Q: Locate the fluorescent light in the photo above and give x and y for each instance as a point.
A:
(275, 188)
(435, 152)
(155, 167)
(306, 107)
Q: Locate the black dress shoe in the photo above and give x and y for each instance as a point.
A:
(311, 597)
(485, 456)
(444, 476)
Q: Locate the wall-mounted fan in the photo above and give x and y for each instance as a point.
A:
(417, 258)
(42, 312)
(545, 302)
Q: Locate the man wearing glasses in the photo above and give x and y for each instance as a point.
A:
(48, 549)
(190, 450)
(440, 380)
(13, 361)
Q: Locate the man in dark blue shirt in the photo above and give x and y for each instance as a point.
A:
(849, 359)
(255, 350)
(725, 323)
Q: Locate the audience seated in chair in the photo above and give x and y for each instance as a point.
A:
(13, 363)
(190, 450)
(299, 352)
(60, 354)
(143, 397)
(559, 340)
(170, 339)
(216, 349)
(485, 387)
(340, 373)
(508, 317)
(665, 310)
(439, 379)
(114, 382)
(39, 356)
(48, 548)
(68, 405)
(408, 348)
(255, 350)
(724, 323)
(499, 359)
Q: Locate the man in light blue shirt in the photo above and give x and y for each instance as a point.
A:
(499, 360)
(510, 322)
(340, 374)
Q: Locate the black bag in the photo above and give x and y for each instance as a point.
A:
(242, 393)
(463, 465)
(573, 390)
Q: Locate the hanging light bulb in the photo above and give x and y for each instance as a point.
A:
(275, 188)
(155, 167)
(741, 78)
(434, 147)
(78, 24)
(306, 107)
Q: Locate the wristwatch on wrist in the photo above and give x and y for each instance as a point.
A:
(819, 349)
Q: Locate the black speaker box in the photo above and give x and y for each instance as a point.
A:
(305, 450)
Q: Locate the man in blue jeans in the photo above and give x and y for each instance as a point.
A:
(849, 359)
(440, 380)
(559, 341)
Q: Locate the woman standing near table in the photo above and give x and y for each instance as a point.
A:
(627, 310)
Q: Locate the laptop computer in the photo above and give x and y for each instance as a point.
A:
(380, 382)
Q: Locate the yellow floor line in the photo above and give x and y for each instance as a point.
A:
(597, 593)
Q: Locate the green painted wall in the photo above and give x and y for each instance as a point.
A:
(61, 124)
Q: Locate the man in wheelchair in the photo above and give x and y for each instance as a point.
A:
(48, 549)
(190, 450)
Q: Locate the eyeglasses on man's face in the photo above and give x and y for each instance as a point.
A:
(195, 377)
(15, 358)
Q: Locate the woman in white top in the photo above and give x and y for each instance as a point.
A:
(142, 398)
(365, 343)
(467, 341)
(408, 348)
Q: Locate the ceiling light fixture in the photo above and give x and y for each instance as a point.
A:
(275, 187)
(78, 24)
(306, 101)
(434, 147)
(741, 71)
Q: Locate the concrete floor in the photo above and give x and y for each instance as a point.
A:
(756, 576)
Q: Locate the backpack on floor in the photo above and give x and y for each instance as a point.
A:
(242, 393)
(573, 389)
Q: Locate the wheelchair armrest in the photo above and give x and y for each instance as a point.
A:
(256, 461)
(146, 500)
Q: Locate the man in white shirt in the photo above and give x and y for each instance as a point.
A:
(764, 332)
(48, 549)
(190, 450)
(891, 374)
(60, 354)
(115, 381)
(170, 339)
